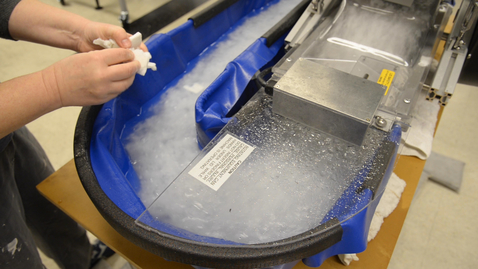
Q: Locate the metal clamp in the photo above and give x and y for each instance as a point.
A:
(468, 22)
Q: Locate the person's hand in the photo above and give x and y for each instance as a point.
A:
(90, 78)
(94, 30)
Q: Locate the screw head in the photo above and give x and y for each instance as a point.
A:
(407, 101)
(381, 122)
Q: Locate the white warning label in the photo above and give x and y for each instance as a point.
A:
(221, 162)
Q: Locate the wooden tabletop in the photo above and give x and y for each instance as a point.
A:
(64, 189)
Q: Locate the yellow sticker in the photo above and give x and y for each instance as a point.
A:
(386, 79)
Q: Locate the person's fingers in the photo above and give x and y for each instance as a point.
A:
(108, 31)
(123, 71)
(124, 84)
(121, 37)
(115, 89)
(143, 47)
(116, 56)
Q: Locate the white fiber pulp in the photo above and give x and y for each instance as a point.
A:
(164, 144)
(286, 186)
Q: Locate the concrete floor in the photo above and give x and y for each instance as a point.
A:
(439, 231)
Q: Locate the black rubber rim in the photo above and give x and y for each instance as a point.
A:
(186, 251)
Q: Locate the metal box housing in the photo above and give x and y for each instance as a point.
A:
(330, 100)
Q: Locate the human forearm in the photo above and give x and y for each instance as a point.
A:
(79, 80)
(37, 22)
(34, 21)
(82, 79)
(23, 100)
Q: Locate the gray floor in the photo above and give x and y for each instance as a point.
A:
(439, 231)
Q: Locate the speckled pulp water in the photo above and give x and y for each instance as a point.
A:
(285, 187)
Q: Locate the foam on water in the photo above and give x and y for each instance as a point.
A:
(164, 144)
(285, 187)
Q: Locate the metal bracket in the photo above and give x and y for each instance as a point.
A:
(315, 4)
(445, 77)
(447, 74)
(468, 21)
(307, 22)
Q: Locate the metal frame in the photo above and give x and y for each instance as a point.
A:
(441, 82)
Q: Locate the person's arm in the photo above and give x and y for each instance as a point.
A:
(82, 79)
(34, 21)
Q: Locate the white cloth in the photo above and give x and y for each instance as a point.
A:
(420, 136)
(139, 55)
(388, 203)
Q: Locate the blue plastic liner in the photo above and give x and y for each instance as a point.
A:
(172, 53)
(214, 104)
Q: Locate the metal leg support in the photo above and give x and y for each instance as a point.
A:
(124, 15)
(98, 5)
